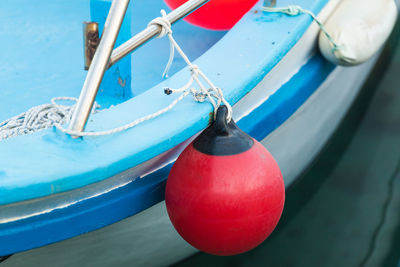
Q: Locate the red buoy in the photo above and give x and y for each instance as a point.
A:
(216, 14)
(225, 193)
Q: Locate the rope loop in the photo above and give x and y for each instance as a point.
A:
(213, 93)
(163, 23)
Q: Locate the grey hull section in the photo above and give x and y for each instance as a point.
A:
(298, 141)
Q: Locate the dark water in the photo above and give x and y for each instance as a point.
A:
(345, 211)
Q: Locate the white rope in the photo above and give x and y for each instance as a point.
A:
(39, 118)
(126, 126)
(48, 115)
(294, 10)
(165, 25)
(214, 93)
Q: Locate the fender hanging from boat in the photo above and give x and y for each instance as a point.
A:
(360, 27)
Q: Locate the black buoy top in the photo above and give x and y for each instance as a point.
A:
(222, 138)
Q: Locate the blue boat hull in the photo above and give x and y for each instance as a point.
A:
(110, 210)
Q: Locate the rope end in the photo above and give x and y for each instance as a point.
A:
(167, 91)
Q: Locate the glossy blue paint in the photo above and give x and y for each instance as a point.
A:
(49, 162)
(41, 52)
(84, 216)
(97, 212)
(39, 80)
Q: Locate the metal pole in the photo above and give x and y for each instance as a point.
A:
(152, 31)
(102, 59)
(98, 65)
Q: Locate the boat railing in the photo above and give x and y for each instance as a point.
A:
(105, 55)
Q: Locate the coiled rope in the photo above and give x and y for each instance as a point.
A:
(49, 115)
(39, 118)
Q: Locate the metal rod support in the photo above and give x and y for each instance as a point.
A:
(105, 57)
(98, 65)
(152, 31)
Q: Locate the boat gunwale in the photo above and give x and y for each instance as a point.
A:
(302, 24)
(49, 212)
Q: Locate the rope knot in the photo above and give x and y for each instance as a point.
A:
(162, 22)
(293, 10)
(194, 69)
(199, 96)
